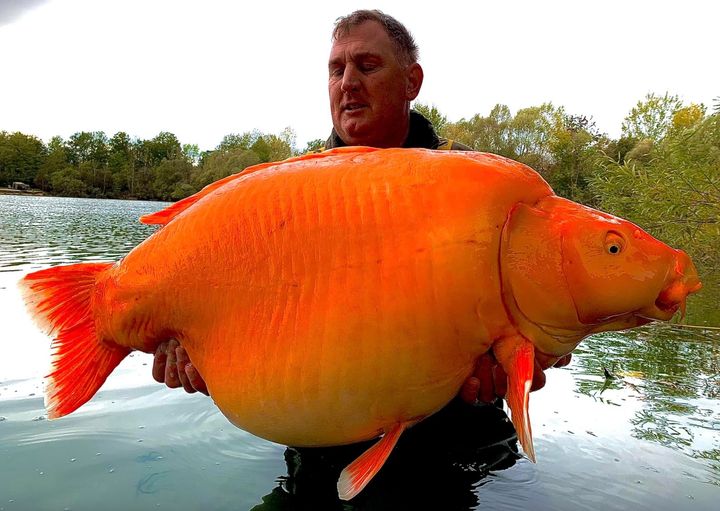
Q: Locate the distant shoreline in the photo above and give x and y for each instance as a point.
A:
(32, 192)
(35, 192)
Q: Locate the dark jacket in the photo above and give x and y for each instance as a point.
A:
(422, 134)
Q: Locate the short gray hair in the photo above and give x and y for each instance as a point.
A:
(405, 48)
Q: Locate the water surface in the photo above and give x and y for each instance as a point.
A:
(649, 438)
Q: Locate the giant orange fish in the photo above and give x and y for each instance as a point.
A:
(338, 297)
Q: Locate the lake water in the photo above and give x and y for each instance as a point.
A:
(648, 439)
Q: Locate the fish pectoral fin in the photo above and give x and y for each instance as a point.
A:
(517, 357)
(358, 474)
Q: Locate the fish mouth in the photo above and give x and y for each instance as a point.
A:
(682, 281)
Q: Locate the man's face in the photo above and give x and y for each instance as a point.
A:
(370, 90)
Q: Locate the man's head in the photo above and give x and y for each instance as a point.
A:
(373, 77)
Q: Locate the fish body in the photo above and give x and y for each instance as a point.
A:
(323, 302)
(332, 298)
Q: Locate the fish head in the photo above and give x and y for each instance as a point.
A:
(572, 270)
(615, 269)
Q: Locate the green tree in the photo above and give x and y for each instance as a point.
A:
(531, 132)
(164, 146)
(149, 154)
(55, 161)
(617, 150)
(267, 147)
(575, 157)
(88, 151)
(89, 147)
(288, 137)
(432, 114)
(239, 141)
(524, 137)
(21, 157)
(169, 176)
(489, 134)
(192, 153)
(121, 164)
(182, 190)
(493, 133)
(222, 163)
(652, 117)
(688, 116)
(67, 183)
(270, 147)
(313, 146)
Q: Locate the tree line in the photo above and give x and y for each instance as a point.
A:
(91, 164)
(663, 172)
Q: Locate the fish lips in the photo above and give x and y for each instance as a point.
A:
(682, 282)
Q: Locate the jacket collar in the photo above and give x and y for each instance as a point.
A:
(421, 134)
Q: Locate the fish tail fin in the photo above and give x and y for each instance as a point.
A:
(60, 301)
(358, 474)
(517, 356)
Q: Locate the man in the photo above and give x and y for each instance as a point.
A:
(374, 75)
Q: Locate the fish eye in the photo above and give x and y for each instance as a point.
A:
(614, 243)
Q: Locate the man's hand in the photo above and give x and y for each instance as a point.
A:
(489, 380)
(172, 366)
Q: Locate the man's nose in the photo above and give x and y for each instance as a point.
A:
(350, 80)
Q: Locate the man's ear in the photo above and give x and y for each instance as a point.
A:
(414, 74)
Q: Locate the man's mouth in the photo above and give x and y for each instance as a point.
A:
(352, 107)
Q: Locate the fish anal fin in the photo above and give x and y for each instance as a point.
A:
(164, 216)
(517, 357)
(60, 301)
(358, 474)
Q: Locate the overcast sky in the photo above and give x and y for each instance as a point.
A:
(204, 69)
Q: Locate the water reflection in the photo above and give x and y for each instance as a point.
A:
(674, 374)
(438, 464)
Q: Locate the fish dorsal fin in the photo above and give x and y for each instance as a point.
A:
(164, 216)
(358, 474)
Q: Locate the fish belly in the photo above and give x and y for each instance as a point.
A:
(314, 367)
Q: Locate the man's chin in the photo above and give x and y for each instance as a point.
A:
(356, 134)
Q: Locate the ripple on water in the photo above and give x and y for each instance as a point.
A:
(57, 230)
(184, 449)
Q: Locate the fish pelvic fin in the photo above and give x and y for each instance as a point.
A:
(517, 357)
(60, 301)
(358, 474)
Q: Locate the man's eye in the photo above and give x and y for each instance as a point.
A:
(336, 71)
(366, 68)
